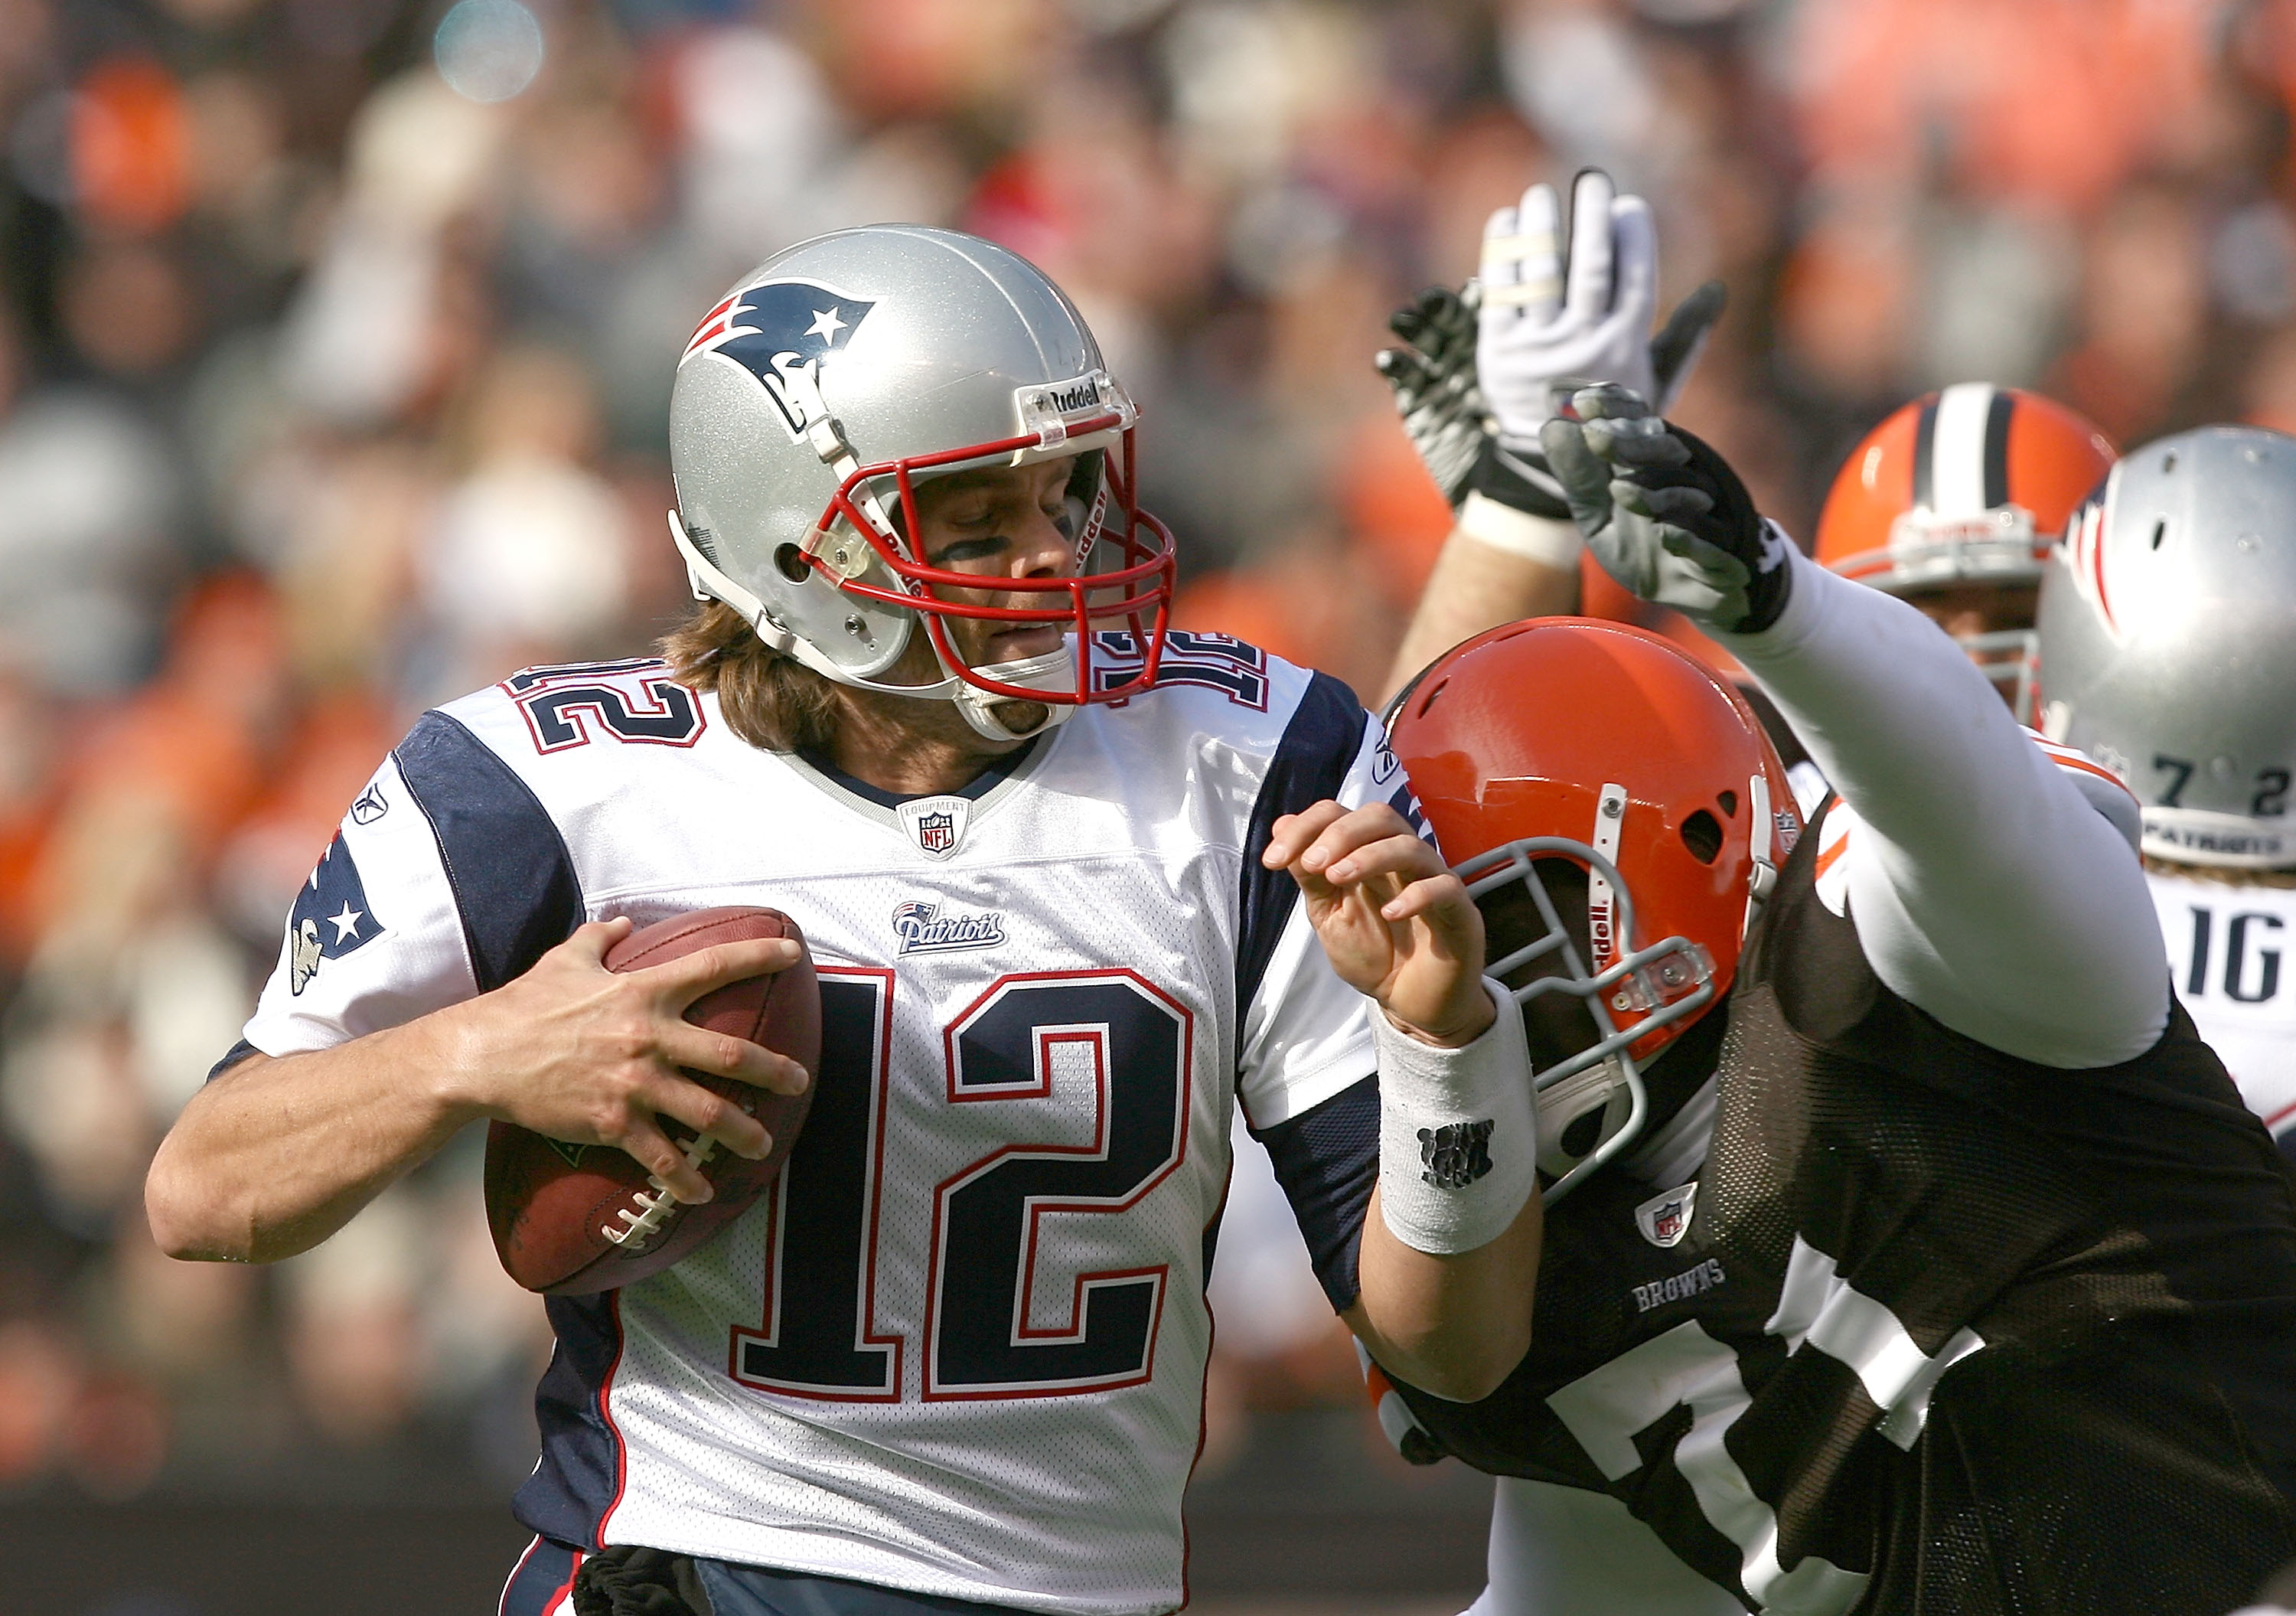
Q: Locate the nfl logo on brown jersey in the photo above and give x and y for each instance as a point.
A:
(1665, 1220)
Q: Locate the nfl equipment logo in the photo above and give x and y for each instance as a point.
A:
(935, 825)
(1665, 1220)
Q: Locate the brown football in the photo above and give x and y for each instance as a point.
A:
(573, 1219)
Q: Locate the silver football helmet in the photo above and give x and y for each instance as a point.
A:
(2168, 632)
(840, 375)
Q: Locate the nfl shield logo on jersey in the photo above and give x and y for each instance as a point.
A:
(936, 833)
(1665, 1220)
(936, 823)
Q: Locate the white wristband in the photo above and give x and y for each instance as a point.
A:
(1540, 538)
(1458, 1133)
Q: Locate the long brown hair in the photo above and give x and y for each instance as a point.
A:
(768, 699)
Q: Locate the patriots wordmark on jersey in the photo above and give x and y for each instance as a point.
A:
(960, 1349)
(1915, 1278)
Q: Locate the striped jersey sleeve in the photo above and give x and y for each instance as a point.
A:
(447, 879)
(1304, 1035)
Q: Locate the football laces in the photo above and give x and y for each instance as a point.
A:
(644, 1218)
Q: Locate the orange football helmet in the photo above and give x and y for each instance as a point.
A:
(1656, 780)
(1971, 485)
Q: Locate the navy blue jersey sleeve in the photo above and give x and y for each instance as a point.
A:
(1311, 762)
(1327, 1159)
(513, 880)
(447, 879)
(1303, 1034)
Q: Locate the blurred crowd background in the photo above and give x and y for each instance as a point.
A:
(335, 346)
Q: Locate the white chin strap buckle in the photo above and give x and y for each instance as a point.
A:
(1054, 672)
(1601, 1087)
(1763, 879)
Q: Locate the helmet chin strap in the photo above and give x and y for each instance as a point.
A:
(1055, 670)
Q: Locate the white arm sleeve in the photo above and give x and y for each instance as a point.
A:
(1985, 888)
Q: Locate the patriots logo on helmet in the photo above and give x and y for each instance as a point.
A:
(782, 333)
(2084, 556)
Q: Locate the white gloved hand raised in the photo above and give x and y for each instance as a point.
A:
(1555, 318)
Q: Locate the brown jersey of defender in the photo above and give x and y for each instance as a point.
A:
(1936, 1329)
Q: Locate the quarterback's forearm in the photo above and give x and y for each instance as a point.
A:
(276, 1154)
(1477, 585)
(1453, 1325)
(1986, 890)
(273, 1156)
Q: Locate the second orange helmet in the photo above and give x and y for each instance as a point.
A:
(1970, 485)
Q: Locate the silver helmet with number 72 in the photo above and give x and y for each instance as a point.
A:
(2167, 642)
(833, 379)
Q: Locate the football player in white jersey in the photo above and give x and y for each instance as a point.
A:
(2166, 633)
(2167, 652)
(1049, 862)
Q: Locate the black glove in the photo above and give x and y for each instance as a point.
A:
(626, 1581)
(1665, 515)
(1449, 422)
(1443, 411)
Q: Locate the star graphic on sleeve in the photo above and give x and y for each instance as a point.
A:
(825, 325)
(346, 923)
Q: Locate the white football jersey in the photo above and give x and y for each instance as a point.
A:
(2226, 945)
(960, 1348)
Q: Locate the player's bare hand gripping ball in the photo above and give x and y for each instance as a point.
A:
(572, 1220)
(576, 1051)
(1395, 922)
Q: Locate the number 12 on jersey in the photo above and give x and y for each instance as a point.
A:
(821, 1336)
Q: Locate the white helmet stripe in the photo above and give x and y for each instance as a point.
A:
(1957, 451)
